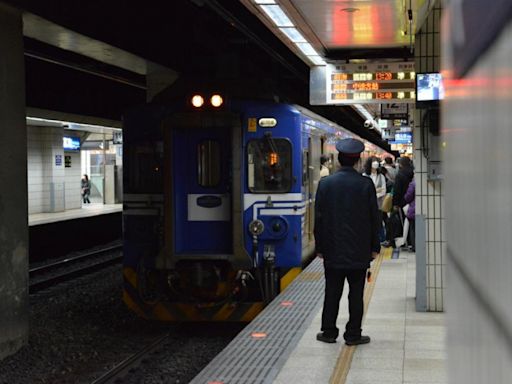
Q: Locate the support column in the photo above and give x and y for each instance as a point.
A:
(13, 192)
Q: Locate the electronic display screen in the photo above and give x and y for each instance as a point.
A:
(348, 83)
(429, 87)
(71, 143)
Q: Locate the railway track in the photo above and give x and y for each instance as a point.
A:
(116, 374)
(70, 268)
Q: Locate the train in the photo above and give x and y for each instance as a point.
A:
(218, 206)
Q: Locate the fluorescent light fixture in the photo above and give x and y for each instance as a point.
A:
(277, 15)
(307, 49)
(265, 1)
(69, 124)
(294, 35)
(317, 60)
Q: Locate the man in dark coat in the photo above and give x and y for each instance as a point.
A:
(347, 221)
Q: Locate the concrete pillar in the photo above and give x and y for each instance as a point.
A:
(13, 192)
(52, 156)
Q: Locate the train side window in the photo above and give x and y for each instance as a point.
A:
(208, 163)
(305, 167)
(269, 165)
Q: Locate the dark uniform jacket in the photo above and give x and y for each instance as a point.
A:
(347, 220)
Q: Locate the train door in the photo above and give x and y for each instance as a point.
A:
(201, 160)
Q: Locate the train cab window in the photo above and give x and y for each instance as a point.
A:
(208, 163)
(269, 163)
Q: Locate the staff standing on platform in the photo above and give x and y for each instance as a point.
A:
(347, 222)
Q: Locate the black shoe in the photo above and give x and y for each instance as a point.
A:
(361, 340)
(321, 337)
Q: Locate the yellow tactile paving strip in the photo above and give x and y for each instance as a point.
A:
(339, 375)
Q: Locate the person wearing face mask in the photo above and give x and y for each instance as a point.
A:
(372, 170)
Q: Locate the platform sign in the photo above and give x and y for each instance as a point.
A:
(117, 138)
(392, 111)
(403, 138)
(388, 134)
(370, 83)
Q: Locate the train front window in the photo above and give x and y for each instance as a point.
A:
(269, 163)
(208, 163)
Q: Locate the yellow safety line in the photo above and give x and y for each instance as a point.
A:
(340, 373)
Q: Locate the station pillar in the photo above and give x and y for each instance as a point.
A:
(13, 192)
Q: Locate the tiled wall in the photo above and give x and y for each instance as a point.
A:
(477, 128)
(429, 194)
(51, 186)
(72, 177)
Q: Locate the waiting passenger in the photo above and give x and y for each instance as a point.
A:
(371, 170)
(411, 213)
(347, 238)
(324, 169)
(402, 180)
(86, 189)
(394, 228)
(390, 168)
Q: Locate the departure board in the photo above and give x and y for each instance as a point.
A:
(377, 82)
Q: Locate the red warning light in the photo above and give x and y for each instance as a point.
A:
(286, 303)
(258, 335)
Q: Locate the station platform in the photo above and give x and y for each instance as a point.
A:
(88, 210)
(280, 345)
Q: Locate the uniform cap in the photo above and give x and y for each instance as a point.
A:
(350, 147)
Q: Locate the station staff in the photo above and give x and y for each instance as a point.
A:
(347, 222)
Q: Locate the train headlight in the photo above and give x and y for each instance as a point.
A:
(197, 101)
(216, 100)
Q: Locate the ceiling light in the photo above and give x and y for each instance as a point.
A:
(277, 15)
(307, 49)
(317, 60)
(265, 1)
(294, 35)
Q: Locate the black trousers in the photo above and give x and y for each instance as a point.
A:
(334, 281)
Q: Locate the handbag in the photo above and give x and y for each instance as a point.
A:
(387, 203)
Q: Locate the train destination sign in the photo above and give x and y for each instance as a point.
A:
(342, 83)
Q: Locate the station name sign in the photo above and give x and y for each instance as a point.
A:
(342, 83)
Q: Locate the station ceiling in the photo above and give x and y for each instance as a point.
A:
(203, 38)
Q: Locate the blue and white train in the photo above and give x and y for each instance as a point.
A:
(219, 204)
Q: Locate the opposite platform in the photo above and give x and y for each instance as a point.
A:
(71, 214)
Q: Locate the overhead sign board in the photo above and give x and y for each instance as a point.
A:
(392, 111)
(370, 83)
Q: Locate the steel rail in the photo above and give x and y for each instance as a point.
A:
(123, 368)
(39, 285)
